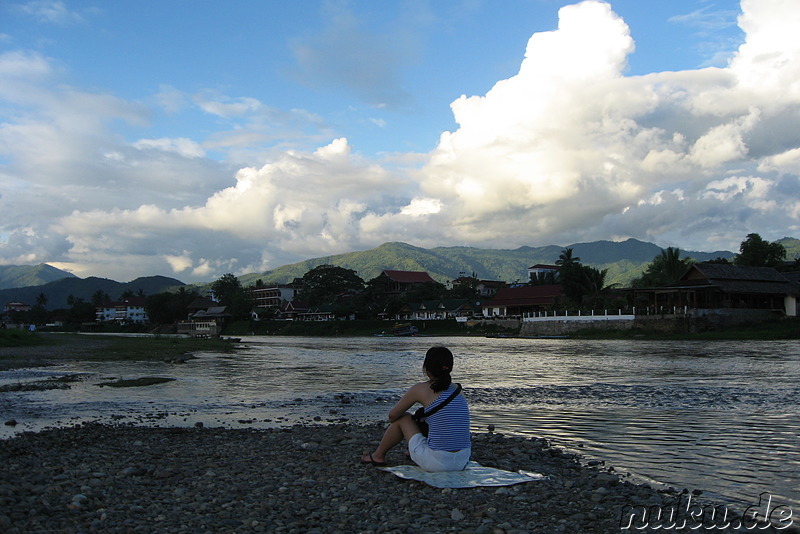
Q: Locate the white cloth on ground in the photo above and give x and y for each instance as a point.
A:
(473, 476)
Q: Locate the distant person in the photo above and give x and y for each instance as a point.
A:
(447, 447)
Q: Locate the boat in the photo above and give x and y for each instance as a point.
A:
(404, 329)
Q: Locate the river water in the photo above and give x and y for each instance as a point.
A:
(722, 417)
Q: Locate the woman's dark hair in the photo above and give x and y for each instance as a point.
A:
(439, 363)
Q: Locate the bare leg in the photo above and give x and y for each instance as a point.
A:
(405, 427)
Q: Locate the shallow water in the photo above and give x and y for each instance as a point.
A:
(718, 416)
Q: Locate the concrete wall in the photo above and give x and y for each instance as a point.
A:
(564, 326)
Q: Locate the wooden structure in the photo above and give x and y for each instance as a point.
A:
(517, 301)
(723, 286)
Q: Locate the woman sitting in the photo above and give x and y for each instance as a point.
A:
(447, 446)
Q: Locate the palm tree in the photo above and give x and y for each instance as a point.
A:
(595, 284)
(565, 259)
(672, 264)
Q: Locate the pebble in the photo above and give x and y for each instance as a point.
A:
(304, 478)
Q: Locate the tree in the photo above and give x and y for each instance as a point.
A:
(100, 297)
(595, 288)
(666, 268)
(571, 277)
(79, 310)
(464, 287)
(323, 283)
(425, 291)
(38, 314)
(167, 307)
(226, 288)
(229, 292)
(755, 252)
(565, 259)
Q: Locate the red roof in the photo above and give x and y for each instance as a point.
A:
(409, 277)
(526, 295)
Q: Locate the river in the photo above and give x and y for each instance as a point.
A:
(718, 416)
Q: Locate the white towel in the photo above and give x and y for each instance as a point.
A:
(472, 476)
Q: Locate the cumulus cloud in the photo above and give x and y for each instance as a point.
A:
(570, 144)
(570, 148)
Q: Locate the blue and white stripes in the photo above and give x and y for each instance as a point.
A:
(449, 427)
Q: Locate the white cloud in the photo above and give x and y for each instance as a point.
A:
(51, 11)
(181, 146)
(569, 149)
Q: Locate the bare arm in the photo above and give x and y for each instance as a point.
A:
(412, 396)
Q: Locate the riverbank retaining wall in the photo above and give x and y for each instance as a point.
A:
(696, 320)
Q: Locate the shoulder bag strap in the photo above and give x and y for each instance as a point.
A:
(442, 405)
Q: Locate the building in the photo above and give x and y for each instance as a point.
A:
(206, 318)
(396, 282)
(129, 310)
(438, 310)
(517, 301)
(16, 307)
(275, 295)
(483, 288)
(724, 286)
(541, 270)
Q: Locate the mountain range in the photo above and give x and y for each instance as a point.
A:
(58, 292)
(625, 260)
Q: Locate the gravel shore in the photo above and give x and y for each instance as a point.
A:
(98, 478)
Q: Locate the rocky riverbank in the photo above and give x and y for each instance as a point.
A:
(96, 478)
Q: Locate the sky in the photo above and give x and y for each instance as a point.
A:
(195, 139)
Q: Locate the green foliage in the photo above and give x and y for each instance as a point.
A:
(666, 268)
(230, 293)
(169, 307)
(323, 283)
(756, 252)
(80, 311)
(583, 285)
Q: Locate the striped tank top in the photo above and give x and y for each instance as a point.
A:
(449, 427)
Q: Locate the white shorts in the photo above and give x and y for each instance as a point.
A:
(433, 461)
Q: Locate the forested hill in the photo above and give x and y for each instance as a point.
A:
(30, 275)
(624, 260)
(59, 291)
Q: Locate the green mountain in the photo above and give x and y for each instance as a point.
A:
(624, 260)
(59, 291)
(792, 247)
(30, 275)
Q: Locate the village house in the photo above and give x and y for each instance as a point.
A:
(275, 295)
(724, 287)
(205, 318)
(397, 282)
(484, 288)
(16, 307)
(517, 301)
(129, 310)
(438, 309)
(541, 269)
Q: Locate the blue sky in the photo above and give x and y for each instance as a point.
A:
(195, 139)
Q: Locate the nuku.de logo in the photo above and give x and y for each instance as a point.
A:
(686, 514)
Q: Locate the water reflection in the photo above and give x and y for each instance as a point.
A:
(719, 416)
